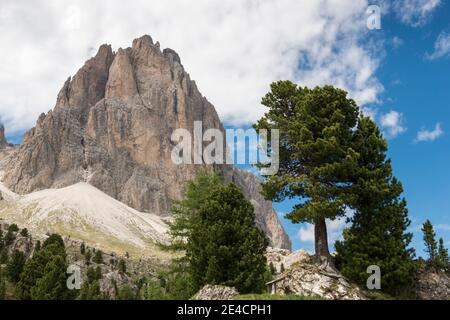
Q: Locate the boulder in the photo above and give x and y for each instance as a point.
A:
(210, 292)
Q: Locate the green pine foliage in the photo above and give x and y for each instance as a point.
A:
(9, 238)
(317, 158)
(155, 290)
(333, 159)
(90, 290)
(24, 232)
(2, 285)
(15, 266)
(429, 239)
(37, 246)
(13, 228)
(3, 256)
(126, 293)
(444, 261)
(214, 225)
(44, 275)
(436, 251)
(98, 257)
(88, 256)
(378, 234)
(122, 266)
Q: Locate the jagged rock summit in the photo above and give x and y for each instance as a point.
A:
(3, 142)
(111, 128)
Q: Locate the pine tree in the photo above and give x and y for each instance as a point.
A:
(378, 234)
(272, 268)
(37, 247)
(13, 228)
(87, 257)
(52, 285)
(10, 236)
(223, 245)
(3, 256)
(2, 285)
(98, 257)
(316, 154)
(24, 232)
(429, 238)
(44, 275)
(2, 241)
(122, 266)
(90, 289)
(126, 293)
(444, 261)
(15, 266)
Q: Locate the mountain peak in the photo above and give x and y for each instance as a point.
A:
(3, 142)
(111, 128)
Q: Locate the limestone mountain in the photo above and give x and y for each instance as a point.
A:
(111, 128)
(3, 142)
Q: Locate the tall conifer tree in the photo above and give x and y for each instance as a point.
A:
(378, 234)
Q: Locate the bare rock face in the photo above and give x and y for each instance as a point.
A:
(284, 259)
(305, 276)
(3, 142)
(210, 292)
(433, 285)
(266, 217)
(111, 128)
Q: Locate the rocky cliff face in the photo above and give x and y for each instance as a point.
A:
(433, 284)
(3, 142)
(111, 127)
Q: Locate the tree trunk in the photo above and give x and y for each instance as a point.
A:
(321, 238)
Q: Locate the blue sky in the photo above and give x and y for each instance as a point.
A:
(235, 49)
(419, 89)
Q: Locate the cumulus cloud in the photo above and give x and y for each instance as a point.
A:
(233, 49)
(392, 124)
(429, 135)
(441, 46)
(415, 13)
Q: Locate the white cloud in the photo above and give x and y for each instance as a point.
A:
(233, 49)
(415, 13)
(441, 46)
(392, 124)
(397, 42)
(430, 135)
(334, 228)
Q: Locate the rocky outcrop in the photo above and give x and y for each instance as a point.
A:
(111, 128)
(284, 259)
(210, 292)
(433, 285)
(3, 142)
(304, 276)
